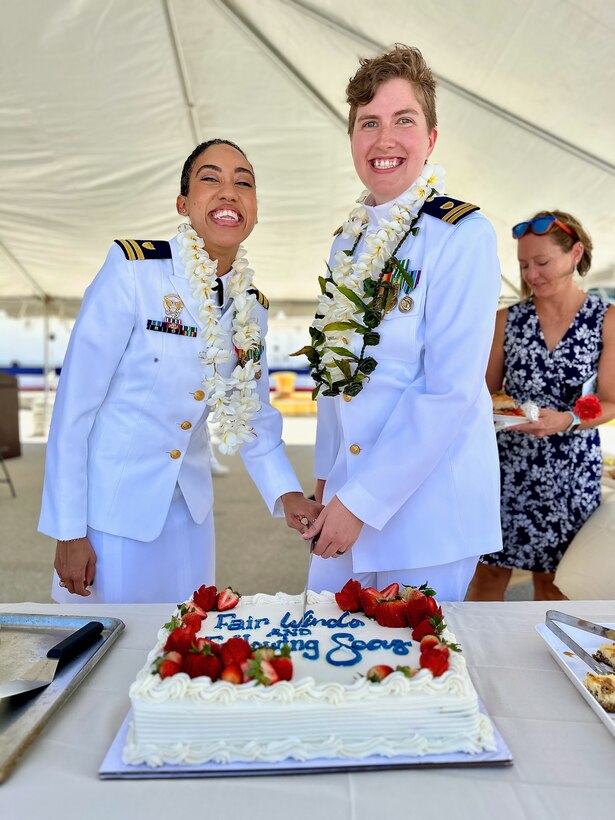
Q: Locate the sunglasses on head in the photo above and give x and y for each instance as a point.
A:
(540, 226)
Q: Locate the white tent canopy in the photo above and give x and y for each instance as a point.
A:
(101, 101)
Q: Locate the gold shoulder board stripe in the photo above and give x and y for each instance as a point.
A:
(338, 231)
(127, 248)
(138, 249)
(459, 212)
(260, 298)
(139, 253)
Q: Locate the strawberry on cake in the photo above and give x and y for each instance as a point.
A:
(364, 672)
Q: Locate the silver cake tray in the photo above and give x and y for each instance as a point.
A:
(113, 767)
(25, 639)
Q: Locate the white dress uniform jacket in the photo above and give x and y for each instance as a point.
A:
(129, 420)
(414, 454)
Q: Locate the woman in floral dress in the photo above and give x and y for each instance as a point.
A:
(552, 347)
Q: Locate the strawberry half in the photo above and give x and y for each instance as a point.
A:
(197, 665)
(214, 646)
(180, 640)
(205, 597)
(348, 597)
(369, 601)
(421, 607)
(378, 673)
(192, 620)
(232, 674)
(235, 650)
(428, 626)
(392, 612)
(435, 659)
(227, 599)
(169, 664)
(283, 664)
(392, 591)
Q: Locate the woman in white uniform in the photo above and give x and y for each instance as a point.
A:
(406, 458)
(168, 334)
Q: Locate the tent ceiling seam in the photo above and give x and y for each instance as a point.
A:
(502, 113)
(182, 71)
(250, 30)
(16, 264)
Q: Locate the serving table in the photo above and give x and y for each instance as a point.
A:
(564, 757)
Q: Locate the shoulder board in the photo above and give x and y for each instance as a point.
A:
(140, 249)
(260, 297)
(338, 231)
(447, 209)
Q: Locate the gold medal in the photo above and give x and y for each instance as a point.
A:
(406, 304)
(172, 305)
(390, 301)
(391, 304)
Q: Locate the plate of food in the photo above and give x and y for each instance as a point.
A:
(597, 689)
(506, 411)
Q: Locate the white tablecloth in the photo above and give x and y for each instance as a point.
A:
(564, 757)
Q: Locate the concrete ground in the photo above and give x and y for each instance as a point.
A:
(255, 553)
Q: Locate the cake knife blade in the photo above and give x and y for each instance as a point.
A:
(598, 667)
(581, 623)
(307, 577)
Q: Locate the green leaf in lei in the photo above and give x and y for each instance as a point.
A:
(342, 351)
(342, 326)
(344, 366)
(352, 297)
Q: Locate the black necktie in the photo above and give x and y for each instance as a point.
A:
(219, 288)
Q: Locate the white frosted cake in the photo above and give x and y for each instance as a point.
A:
(329, 709)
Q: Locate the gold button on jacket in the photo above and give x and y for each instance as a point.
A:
(175, 453)
(185, 425)
(198, 395)
(355, 449)
(346, 397)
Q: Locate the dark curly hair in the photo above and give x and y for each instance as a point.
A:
(184, 183)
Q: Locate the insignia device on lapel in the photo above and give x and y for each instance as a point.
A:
(172, 305)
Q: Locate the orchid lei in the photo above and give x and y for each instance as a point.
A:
(351, 300)
(233, 400)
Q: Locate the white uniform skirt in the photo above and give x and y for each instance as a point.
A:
(165, 570)
(450, 581)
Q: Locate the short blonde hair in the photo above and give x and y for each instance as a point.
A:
(402, 61)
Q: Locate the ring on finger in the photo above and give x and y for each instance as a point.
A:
(62, 584)
(340, 552)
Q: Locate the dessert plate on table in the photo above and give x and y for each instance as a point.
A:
(113, 767)
(574, 667)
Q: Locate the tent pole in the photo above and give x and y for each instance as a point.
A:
(46, 386)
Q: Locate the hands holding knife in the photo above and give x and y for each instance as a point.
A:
(334, 531)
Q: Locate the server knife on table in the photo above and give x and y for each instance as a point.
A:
(43, 672)
(553, 615)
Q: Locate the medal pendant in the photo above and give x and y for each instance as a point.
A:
(406, 304)
(391, 304)
(390, 301)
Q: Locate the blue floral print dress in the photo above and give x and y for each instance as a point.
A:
(549, 486)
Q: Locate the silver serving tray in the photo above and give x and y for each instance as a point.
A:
(25, 639)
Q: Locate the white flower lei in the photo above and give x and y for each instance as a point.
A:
(333, 305)
(233, 401)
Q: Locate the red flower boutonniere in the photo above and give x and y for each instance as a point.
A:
(588, 408)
